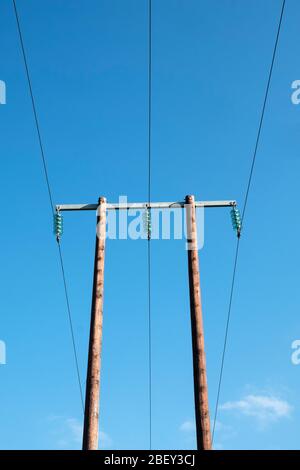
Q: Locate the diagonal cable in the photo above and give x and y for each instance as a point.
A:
(149, 200)
(44, 162)
(258, 137)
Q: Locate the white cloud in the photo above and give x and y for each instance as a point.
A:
(69, 433)
(75, 429)
(188, 426)
(218, 446)
(104, 440)
(188, 432)
(265, 408)
(223, 428)
(224, 433)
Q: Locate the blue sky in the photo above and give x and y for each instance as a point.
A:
(88, 63)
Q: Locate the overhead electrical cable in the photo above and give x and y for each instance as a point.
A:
(149, 200)
(248, 187)
(50, 194)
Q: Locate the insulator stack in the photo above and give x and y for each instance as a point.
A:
(147, 222)
(58, 225)
(236, 220)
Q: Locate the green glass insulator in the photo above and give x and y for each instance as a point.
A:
(58, 224)
(236, 219)
(147, 221)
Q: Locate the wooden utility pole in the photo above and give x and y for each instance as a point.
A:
(199, 362)
(91, 413)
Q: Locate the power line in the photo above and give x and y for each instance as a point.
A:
(34, 107)
(149, 200)
(263, 108)
(71, 325)
(226, 336)
(49, 194)
(244, 211)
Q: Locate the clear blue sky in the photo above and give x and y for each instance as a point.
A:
(88, 62)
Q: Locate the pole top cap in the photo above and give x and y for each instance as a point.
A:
(189, 198)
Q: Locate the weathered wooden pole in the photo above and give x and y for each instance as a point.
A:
(199, 362)
(91, 418)
(91, 412)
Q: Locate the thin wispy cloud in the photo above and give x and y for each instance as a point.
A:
(187, 430)
(69, 432)
(225, 429)
(105, 441)
(75, 429)
(188, 426)
(264, 408)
